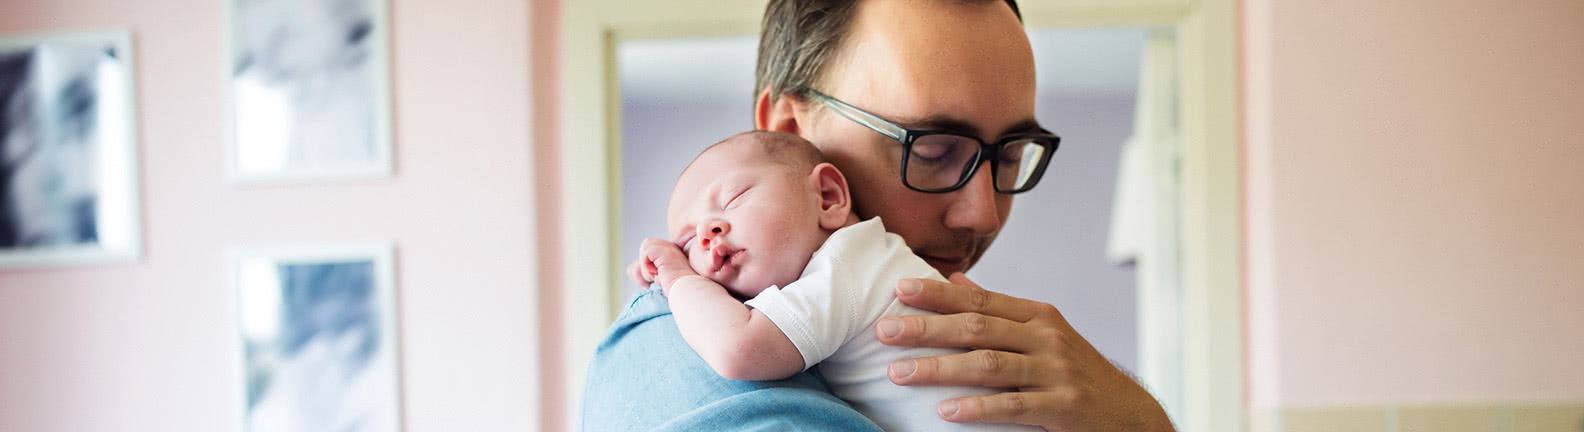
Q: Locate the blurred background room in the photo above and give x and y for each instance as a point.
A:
(1282, 216)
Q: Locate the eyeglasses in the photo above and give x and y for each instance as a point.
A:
(940, 162)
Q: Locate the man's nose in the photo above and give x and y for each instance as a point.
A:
(974, 206)
(711, 231)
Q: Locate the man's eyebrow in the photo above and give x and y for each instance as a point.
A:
(957, 125)
(1027, 126)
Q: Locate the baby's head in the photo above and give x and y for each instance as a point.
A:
(750, 211)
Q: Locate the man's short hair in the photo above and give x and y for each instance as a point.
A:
(798, 39)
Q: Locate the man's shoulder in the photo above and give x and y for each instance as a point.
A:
(644, 374)
(643, 348)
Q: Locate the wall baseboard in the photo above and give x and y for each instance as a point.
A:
(1461, 417)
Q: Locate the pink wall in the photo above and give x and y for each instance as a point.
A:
(147, 346)
(547, 54)
(1415, 198)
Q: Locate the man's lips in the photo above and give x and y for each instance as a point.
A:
(947, 264)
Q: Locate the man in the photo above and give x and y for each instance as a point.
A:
(859, 79)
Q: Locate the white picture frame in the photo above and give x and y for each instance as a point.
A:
(307, 91)
(68, 150)
(316, 337)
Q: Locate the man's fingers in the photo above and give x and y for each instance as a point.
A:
(949, 298)
(1022, 408)
(963, 330)
(962, 279)
(984, 368)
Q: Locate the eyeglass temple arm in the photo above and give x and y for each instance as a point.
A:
(868, 120)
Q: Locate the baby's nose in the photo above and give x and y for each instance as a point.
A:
(710, 232)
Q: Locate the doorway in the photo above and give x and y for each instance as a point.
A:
(1207, 318)
(1066, 243)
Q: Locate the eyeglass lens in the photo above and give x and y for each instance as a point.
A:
(941, 161)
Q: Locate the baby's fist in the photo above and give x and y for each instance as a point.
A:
(663, 262)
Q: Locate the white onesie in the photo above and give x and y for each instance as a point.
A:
(829, 313)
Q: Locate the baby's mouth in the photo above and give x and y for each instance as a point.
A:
(724, 258)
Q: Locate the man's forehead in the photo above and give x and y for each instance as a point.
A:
(953, 65)
(962, 67)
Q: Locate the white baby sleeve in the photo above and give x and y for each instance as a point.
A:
(840, 293)
(808, 311)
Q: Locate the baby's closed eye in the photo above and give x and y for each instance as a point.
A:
(731, 202)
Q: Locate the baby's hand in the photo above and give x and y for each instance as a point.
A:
(662, 261)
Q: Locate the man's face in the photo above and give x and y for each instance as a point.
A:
(744, 221)
(943, 65)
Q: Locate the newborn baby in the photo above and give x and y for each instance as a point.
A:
(762, 216)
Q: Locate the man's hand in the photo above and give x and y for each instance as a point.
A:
(660, 261)
(1062, 382)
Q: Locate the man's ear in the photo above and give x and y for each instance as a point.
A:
(835, 200)
(781, 114)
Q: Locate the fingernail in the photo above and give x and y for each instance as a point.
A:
(890, 327)
(909, 286)
(904, 369)
(948, 409)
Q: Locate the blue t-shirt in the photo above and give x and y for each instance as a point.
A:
(645, 377)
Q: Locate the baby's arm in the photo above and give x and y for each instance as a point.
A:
(739, 342)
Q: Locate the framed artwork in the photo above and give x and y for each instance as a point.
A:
(308, 90)
(317, 333)
(68, 152)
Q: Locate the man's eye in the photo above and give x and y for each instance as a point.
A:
(1017, 151)
(931, 151)
(1013, 153)
(942, 150)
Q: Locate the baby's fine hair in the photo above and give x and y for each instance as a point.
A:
(781, 147)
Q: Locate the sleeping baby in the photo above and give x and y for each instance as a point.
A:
(762, 216)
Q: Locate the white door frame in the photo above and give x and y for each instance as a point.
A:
(1211, 269)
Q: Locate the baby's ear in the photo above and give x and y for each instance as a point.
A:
(834, 199)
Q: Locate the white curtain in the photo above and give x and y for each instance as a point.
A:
(1144, 219)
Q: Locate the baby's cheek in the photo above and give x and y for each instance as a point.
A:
(696, 265)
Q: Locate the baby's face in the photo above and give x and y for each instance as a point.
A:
(744, 221)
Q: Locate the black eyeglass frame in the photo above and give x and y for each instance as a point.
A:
(908, 136)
